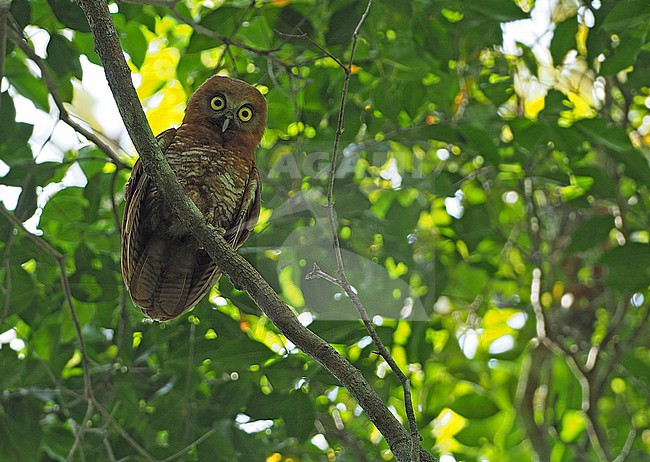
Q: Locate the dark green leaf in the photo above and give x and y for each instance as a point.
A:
(498, 10)
(70, 15)
(242, 350)
(21, 12)
(134, 43)
(529, 58)
(625, 53)
(63, 57)
(20, 430)
(626, 15)
(221, 21)
(342, 24)
(27, 201)
(564, 39)
(298, 415)
(592, 233)
(629, 266)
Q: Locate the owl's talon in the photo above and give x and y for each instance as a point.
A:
(220, 231)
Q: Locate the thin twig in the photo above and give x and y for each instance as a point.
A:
(187, 449)
(128, 438)
(222, 38)
(80, 434)
(342, 279)
(304, 36)
(627, 447)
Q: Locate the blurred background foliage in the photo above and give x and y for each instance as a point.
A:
(492, 200)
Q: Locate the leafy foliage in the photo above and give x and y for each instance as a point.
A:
(492, 202)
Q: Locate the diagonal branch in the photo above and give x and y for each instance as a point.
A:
(242, 273)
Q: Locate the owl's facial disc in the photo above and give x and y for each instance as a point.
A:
(230, 114)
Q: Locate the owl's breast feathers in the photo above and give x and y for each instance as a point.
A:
(163, 266)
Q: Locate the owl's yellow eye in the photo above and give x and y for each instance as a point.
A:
(245, 113)
(218, 103)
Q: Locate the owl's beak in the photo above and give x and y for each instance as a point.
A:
(226, 123)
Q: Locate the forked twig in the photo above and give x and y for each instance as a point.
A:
(342, 280)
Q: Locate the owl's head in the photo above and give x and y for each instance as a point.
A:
(231, 106)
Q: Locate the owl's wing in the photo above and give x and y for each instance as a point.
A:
(249, 211)
(206, 273)
(138, 191)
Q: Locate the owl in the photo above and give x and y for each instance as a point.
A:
(212, 154)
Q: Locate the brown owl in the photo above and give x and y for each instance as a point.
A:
(212, 154)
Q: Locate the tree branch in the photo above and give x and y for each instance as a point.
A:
(242, 273)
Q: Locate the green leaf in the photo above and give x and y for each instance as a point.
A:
(30, 87)
(292, 21)
(342, 24)
(474, 406)
(242, 350)
(299, 415)
(7, 115)
(222, 21)
(599, 131)
(21, 11)
(338, 331)
(498, 10)
(473, 434)
(529, 134)
(15, 150)
(498, 91)
(625, 54)
(27, 202)
(629, 266)
(22, 290)
(63, 215)
(20, 430)
(626, 15)
(529, 58)
(63, 57)
(134, 43)
(592, 233)
(70, 15)
(564, 39)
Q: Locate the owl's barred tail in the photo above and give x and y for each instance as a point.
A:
(164, 277)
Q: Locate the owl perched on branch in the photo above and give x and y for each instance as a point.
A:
(212, 155)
